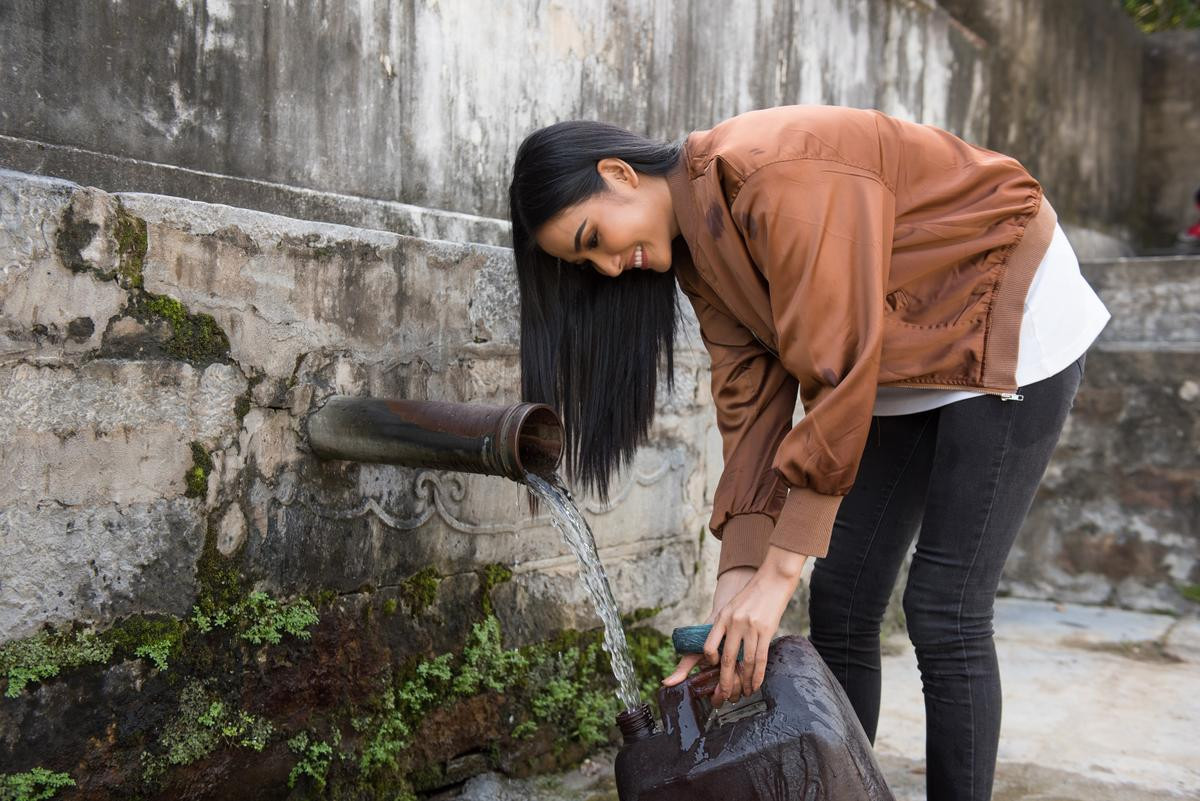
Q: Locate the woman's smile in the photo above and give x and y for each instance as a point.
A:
(639, 258)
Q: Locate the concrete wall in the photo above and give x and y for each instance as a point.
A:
(153, 387)
(1117, 518)
(1065, 99)
(158, 356)
(425, 102)
(1169, 162)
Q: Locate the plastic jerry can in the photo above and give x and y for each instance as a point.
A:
(796, 738)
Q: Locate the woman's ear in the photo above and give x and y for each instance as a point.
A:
(617, 172)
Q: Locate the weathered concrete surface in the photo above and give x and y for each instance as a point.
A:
(1168, 165)
(147, 475)
(425, 103)
(1065, 99)
(1106, 695)
(97, 421)
(289, 296)
(1096, 708)
(1117, 518)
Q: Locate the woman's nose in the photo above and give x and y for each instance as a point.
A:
(611, 267)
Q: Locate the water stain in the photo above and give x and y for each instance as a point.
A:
(715, 218)
(750, 225)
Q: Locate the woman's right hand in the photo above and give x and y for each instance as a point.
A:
(729, 584)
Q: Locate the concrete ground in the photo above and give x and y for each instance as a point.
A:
(1099, 705)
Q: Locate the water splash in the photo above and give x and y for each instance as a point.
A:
(578, 534)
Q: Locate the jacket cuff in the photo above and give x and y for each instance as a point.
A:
(806, 522)
(744, 540)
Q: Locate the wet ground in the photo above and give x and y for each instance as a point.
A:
(1099, 705)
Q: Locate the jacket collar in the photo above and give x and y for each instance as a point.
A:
(684, 195)
(689, 193)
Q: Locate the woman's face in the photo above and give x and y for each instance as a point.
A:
(628, 227)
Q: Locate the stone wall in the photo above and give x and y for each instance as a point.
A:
(169, 542)
(1169, 162)
(1117, 518)
(258, 105)
(192, 604)
(1065, 98)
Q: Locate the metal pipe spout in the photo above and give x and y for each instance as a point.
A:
(504, 441)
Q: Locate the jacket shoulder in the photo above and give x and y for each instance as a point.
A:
(743, 144)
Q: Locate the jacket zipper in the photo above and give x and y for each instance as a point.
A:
(764, 344)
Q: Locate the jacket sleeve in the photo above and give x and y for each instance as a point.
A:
(821, 233)
(755, 398)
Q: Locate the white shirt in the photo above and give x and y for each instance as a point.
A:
(1063, 316)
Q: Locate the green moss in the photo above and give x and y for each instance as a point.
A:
(389, 606)
(45, 654)
(220, 586)
(1191, 592)
(203, 723)
(152, 638)
(38, 784)
(195, 338)
(491, 576)
(197, 475)
(639, 614)
(419, 590)
(131, 248)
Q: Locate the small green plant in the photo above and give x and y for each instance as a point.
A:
(38, 784)
(45, 654)
(486, 663)
(202, 724)
(261, 618)
(1191, 592)
(156, 652)
(315, 757)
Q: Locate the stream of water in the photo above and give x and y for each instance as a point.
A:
(578, 534)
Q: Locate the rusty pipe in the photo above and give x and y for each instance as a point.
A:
(474, 438)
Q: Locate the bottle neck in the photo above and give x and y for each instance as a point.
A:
(636, 723)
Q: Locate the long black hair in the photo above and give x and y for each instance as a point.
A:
(591, 345)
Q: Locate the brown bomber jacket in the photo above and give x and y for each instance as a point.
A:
(830, 250)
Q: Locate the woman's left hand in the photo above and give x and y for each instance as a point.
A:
(750, 620)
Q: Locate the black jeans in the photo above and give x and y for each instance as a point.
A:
(965, 475)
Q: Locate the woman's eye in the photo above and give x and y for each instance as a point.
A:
(594, 242)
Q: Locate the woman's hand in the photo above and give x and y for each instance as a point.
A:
(729, 584)
(747, 620)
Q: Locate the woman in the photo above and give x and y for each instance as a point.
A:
(915, 292)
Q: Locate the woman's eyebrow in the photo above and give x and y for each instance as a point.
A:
(578, 233)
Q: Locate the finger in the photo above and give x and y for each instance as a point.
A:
(747, 665)
(760, 661)
(682, 669)
(711, 656)
(733, 639)
(739, 689)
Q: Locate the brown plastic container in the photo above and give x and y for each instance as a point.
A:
(797, 738)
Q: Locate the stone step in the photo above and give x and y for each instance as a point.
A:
(1154, 301)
